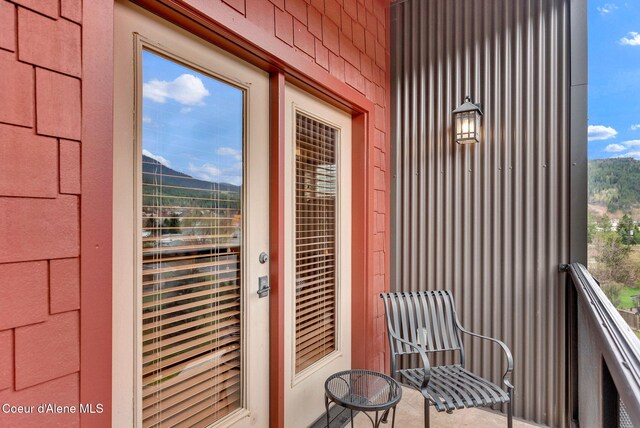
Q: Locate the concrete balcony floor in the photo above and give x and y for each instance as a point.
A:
(410, 415)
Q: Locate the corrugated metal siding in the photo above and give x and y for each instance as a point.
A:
(489, 221)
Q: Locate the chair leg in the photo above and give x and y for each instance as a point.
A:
(510, 409)
(426, 413)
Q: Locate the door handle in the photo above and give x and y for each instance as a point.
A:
(263, 286)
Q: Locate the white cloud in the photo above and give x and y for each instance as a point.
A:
(606, 8)
(146, 119)
(212, 173)
(635, 127)
(632, 145)
(205, 172)
(185, 110)
(615, 148)
(631, 39)
(236, 180)
(158, 158)
(186, 89)
(599, 132)
(228, 151)
(635, 155)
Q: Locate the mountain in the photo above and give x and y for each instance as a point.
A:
(615, 183)
(171, 177)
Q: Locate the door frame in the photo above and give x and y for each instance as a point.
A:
(221, 27)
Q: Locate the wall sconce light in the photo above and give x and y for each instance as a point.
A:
(467, 122)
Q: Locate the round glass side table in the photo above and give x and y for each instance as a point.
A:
(365, 391)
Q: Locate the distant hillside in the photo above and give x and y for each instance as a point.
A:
(615, 183)
(171, 177)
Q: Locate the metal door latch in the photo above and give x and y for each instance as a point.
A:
(263, 286)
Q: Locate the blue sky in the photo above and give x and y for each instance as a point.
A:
(614, 79)
(191, 122)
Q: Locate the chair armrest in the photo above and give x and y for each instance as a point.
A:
(425, 362)
(505, 349)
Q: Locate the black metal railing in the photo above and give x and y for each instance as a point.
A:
(604, 357)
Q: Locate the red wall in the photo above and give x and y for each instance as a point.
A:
(40, 177)
(40, 131)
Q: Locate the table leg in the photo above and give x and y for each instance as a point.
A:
(351, 410)
(385, 416)
(393, 418)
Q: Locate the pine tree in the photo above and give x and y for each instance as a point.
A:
(605, 223)
(591, 227)
(627, 230)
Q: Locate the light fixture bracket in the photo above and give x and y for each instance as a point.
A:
(469, 106)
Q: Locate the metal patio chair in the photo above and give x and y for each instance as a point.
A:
(424, 323)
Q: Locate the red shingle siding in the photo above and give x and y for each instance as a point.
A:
(351, 8)
(336, 66)
(45, 7)
(315, 22)
(346, 25)
(58, 104)
(262, 14)
(48, 43)
(7, 26)
(303, 39)
(349, 52)
(330, 35)
(28, 163)
(16, 87)
(41, 86)
(38, 229)
(72, 10)
(69, 167)
(358, 37)
(322, 55)
(64, 286)
(284, 26)
(238, 5)
(64, 391)
(24, 294)
(47, 350)
(297, 8)
(40, 65)
(318, 4)
(333, 11)
(6, 359)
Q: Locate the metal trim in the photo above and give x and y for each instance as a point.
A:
(620, 348)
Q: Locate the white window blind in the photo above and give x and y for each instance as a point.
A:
(315, 215)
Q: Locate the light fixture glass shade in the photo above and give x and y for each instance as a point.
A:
(467, 123)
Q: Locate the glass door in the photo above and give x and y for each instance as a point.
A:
(318, 251)
(190, 220)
